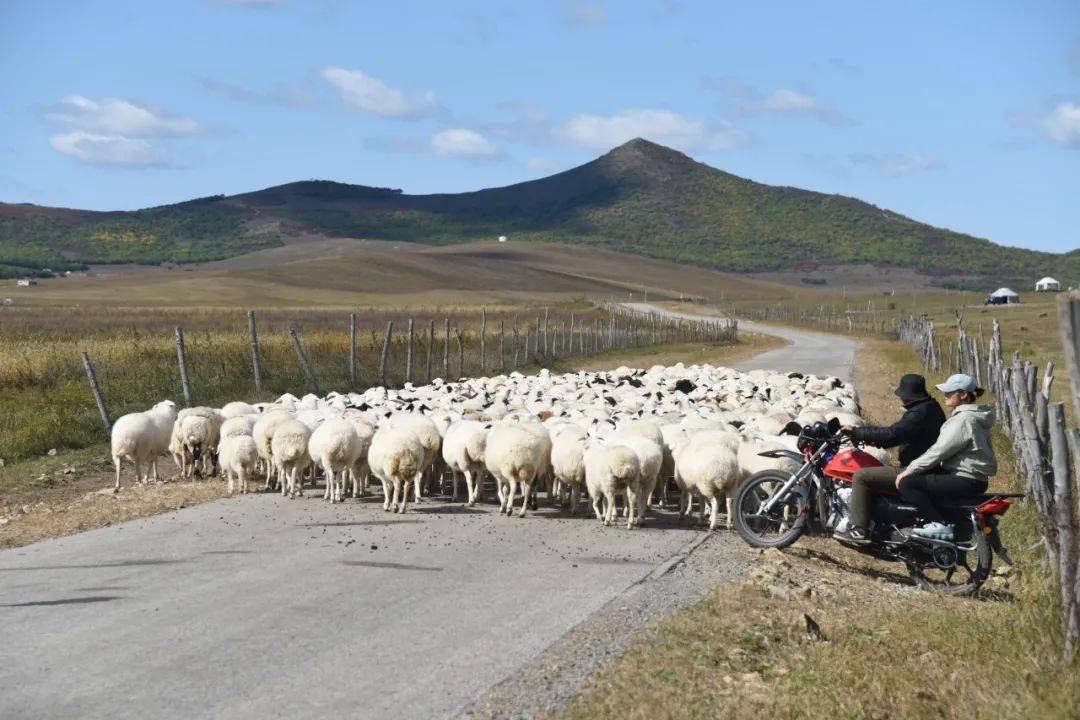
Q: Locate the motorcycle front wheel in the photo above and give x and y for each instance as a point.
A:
(783, 524)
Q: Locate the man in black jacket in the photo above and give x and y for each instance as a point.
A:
(915, 432)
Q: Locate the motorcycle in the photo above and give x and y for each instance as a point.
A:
(773, 509)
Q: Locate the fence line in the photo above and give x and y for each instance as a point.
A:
(1047, 451)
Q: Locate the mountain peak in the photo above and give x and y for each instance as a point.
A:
(644, 160)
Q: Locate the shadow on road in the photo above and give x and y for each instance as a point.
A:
(64, 601)
(389, 565)
(91, 566)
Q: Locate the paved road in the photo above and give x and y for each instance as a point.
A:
(259, 607)
(807, 351)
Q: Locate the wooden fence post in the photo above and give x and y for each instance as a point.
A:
(408, 354)
(483, 341)
(181, 357)
(98, 398)
(430, 347)
(308, 372)
(352, 348)
(254, 350)
(385, 352)
(446, 350)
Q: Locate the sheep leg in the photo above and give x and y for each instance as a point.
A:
(575, 497)
(386, 495)
(714, 510)
(404, 497)
(416, 484)
(397, 492)
(153, 469)
(511, 491)
(454, 485)
(228, 481)
(116, 464)
(138, 470)
(729, 507)
(526, 491)
(597, 504)
(610, 510)
(637, 507)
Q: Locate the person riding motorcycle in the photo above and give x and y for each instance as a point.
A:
(915, 432)
(958, 464)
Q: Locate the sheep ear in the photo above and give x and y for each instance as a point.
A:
(792, 428)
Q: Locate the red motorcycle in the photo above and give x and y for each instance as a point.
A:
(773, 509)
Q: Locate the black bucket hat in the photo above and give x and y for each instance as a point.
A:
(912, 387)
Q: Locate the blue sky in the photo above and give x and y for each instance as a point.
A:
(965, 115)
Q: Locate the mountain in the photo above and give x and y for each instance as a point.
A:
(641, 198)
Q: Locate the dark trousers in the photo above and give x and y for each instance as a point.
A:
(863, 484)
(922, 491)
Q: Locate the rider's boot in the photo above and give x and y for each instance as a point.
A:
(853, 534)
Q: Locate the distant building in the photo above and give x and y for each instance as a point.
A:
(26, 282)
(1002, 296)
(1048, 284)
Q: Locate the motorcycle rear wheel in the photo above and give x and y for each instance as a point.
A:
(965, 579)
(783, 525)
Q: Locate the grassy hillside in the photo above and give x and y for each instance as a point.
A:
(641, 198)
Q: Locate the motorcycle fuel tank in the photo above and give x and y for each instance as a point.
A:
(844, 463)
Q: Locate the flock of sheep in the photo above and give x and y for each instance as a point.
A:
(626, 433)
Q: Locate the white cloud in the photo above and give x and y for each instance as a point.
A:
(374, 96)
(662, 126)
(460, 142)
(94, 149)
(1062, 125)
(114, 116)
(115, 131)
(898, 164)
(748, 100)
(584, 12)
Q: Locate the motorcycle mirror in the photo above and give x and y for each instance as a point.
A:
(792, 428)
(834, 426)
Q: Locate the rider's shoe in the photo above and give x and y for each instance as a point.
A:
(856, 535)
(935, 530)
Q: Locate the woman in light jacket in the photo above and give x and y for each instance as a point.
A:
(958, 465)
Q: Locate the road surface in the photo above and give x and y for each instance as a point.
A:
(260, 607)
(807, 351)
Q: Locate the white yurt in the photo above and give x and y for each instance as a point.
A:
(1003, 296)
(1048, 284)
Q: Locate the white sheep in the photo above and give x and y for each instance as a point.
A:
(263, 434)
(513, 456)
(428, 434)
(359, 472)
(463, 451)
(142, 438)
(238, 425)
(335, 447)
(611, 470)
(568, 461)
(707, 466)
(238, 457)
(395, 457)
(289, 448)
